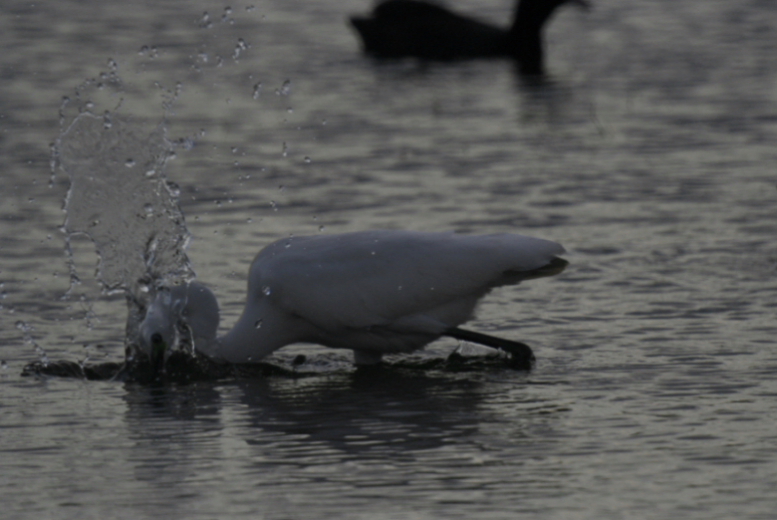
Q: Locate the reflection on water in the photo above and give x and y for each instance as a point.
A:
(649, 154)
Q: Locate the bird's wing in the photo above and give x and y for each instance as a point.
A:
(375, 278)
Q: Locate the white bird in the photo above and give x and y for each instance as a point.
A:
(373, 292)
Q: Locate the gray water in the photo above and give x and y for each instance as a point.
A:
(650, 154)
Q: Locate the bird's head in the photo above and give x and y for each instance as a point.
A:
(181, 317)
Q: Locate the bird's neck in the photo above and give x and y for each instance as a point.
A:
(527, 51)
(257, 334)
(525, 35)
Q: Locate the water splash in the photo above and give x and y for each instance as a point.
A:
(120, 199)
(26, 330)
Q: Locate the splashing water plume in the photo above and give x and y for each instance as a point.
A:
(121, 201)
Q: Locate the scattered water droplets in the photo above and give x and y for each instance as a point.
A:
(26, 330)
(23, 326)
(266, 290)
(239, 48)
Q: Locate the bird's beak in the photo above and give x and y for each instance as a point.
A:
(158, 354)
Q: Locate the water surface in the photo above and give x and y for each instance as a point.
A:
(649, 154)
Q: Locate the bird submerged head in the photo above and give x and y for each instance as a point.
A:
(178, 318)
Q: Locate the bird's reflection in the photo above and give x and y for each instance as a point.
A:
(546, 99)
(400, 409)
(364, 413)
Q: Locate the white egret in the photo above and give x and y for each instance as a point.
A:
(373, 292)
(412, 28)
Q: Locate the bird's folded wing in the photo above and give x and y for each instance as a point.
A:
(378, 277)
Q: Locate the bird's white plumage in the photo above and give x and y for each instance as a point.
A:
(374, 292)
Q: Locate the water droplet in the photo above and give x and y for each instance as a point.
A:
(3, 365)
(240, 47)
(266, 290)
(150, 173)
(205, 22)
(285, 89)
(257, 91)
(307, 160)
(258, 324)
(321, 228)
(149, 209)
(226, 16)
(285, 151)
(173, 189)
(274, 205)
(129, 163)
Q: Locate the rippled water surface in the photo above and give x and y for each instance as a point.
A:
(649, 153)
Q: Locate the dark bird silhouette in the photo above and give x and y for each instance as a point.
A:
(412, 28)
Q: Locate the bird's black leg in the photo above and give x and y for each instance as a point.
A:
(521, 354)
